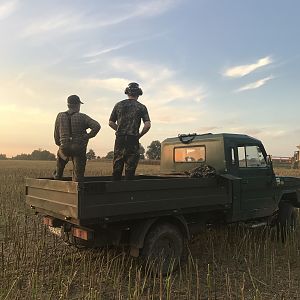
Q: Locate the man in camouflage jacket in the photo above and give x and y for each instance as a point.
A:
(126, 119)
(72, 138)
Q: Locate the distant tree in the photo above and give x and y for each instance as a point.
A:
(2, 156)
(42, 155)
(154, 149)
(22, 156)
(91, 154)
(110, 155)
(36, 155)
(142, 151)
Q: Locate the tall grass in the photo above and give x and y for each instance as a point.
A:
(231, 262)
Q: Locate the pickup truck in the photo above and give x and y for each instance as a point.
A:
(158, 214)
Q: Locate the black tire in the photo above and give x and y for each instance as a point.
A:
(287, 219)
(164, 246)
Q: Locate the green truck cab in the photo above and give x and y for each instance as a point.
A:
(157, 214)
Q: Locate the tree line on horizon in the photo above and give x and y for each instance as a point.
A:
(35, 155)
(152, 153)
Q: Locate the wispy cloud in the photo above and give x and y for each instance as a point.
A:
(94, 55)
(111, 84)
(61, 23)
(7, 8)
(240, 71)
(67, 22)
(255, 85)
(157, 7)
(106, 50)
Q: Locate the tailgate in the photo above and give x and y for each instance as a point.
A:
(53, 197)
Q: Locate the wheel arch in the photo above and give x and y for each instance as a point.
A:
(141, 229)
(290, 197)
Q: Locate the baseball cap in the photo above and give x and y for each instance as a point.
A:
(74, 99)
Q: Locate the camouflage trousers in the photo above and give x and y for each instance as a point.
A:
(79, 163)
(126, 152)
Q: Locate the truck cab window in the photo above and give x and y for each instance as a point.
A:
(242, 157)
(251, 157)
(189, 154)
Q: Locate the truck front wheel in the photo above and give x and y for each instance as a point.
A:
(287, 219)
(164, 246)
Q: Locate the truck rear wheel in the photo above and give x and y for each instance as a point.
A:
(164, 246)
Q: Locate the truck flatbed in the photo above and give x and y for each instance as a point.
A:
(101, 200)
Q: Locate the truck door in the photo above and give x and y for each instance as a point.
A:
(256, 182)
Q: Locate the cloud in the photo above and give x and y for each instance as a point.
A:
(240, 71)
(147, 72)
(7, 8)
(106, 50)
(60, 23)
(173, 90)
(66, 22)
(162, 81)
(261, 132)
(111, 84)
(94, 55)
(170, 101)
(7, 108)
(255, 85)
(29, 115)
(152, 8)
(166, 115)
(205, 129)
(158, 81)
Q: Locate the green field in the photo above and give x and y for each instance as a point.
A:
(230, 262)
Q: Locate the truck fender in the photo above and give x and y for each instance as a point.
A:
(140, 230)
(291, 197)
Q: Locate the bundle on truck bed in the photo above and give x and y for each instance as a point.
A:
(150, 212)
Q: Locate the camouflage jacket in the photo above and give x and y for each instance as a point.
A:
(128, 115)
(80, 123)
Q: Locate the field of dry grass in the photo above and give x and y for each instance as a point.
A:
(224, 263)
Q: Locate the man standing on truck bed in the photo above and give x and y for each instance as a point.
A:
(71, 137)
(126, 119)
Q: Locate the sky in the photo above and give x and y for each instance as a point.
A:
(204, 66)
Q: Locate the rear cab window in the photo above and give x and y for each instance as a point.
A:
(190, 154)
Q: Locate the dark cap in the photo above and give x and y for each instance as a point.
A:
(74, 99)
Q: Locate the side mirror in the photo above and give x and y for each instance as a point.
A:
(269, 161)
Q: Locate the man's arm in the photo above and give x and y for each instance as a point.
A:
(94, 126)
(56, 131)
(147, 122)
(147, 126)
(113, 119)
(113, 125)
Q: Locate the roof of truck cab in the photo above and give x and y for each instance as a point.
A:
(214, 136)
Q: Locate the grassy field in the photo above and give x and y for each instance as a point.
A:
(224, 263)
